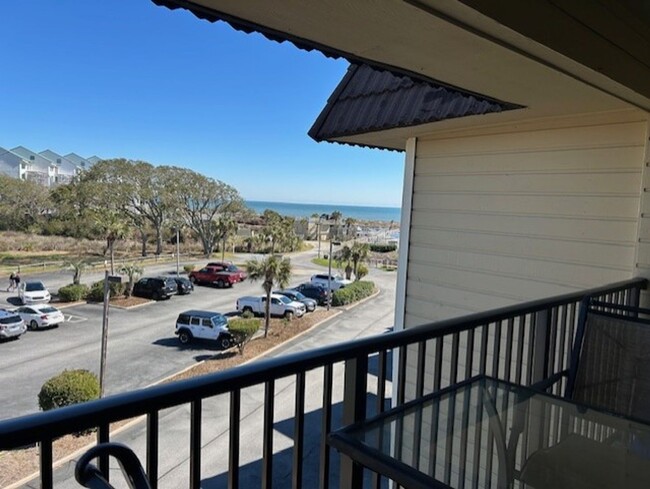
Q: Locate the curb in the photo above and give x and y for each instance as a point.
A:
(128, 308)
(141, 418)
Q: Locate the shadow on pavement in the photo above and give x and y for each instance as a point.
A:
(250, 475)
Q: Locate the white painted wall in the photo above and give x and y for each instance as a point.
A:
(524, 212)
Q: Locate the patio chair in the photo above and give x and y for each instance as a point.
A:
(609, 370)
(88, 475)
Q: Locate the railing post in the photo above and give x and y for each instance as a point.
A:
(540, 338)
(354, 409)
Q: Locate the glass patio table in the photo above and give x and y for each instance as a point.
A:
(485, 433)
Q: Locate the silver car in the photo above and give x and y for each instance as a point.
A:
(11, 325)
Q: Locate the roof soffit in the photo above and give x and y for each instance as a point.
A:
(442, 40)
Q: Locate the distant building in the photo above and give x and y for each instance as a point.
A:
(12, 165)
(80, 161)
(39, 169)
(46, 168)
(65, 170)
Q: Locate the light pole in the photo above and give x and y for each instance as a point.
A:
(329, 273)
(178, 251)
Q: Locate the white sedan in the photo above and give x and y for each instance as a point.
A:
(41, 316)
(33, 292)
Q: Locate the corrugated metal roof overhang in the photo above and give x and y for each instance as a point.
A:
(448, 41)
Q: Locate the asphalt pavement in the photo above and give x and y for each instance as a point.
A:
(143, 349)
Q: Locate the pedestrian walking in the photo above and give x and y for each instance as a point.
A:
(12, 282)
(16, 280)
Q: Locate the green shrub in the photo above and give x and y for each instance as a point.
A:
(96, 293)
(189, 268)
(69, 387)
(362, 271)
(72, 292)
(242, 331)
(383, 248)
(353, 293)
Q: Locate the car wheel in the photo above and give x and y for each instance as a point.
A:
(225, 342)
(288, 315)
(248, 309)
(185, 337)
(33, 324)
(220, 284)
(155, 296)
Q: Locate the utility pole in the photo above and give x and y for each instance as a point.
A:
(329, 276)
(102, 363)
(178, 251)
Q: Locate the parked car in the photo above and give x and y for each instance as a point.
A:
(335, 282)
(313, 291)
(40, 316)
(206, 325)
(294, 295)
(229, 267)
(184, 285)
(33, 292)
(155, 288)
(11, 325)
(280, 306)
(215, 276)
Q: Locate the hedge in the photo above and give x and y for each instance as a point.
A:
(383, 248)
(69, 387)
(72, 292)
(353, 293)
(242, 331)
(96, 293)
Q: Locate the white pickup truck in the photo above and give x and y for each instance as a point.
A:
(280, 305)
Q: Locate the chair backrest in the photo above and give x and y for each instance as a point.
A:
(612, 360)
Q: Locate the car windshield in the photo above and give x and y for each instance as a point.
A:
(299, 296)
(284, 299)
(48, 309)
(34, 286)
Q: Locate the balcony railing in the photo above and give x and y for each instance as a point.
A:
(523, 343)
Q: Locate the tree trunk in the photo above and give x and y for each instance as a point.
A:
(143, 238)
(223, 250)
(267, 313)
(77, 277)
(159, 241)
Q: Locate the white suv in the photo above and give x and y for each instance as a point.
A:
(336, 282)
(204, 325)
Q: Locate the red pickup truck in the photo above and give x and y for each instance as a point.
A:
(229, 267)
(215, 276)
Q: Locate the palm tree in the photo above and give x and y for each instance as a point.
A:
(77, 266)
(273, 270)
(359, 254)
(345, 256)
(226, 227)
(113, 227)
(133, 272)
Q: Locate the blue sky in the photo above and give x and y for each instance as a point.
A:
(125, 78)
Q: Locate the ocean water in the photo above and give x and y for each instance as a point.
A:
(364, 213)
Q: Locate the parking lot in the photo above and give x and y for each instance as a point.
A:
(142, 347)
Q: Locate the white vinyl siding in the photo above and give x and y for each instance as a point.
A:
(519, 215)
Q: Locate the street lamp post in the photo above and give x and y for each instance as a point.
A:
(329, 274)
(178, 251)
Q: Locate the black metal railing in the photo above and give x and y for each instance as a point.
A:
(523, 343)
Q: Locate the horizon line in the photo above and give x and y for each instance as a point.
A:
(328, 203)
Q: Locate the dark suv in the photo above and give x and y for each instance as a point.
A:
(316, 292)
(155, 288)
